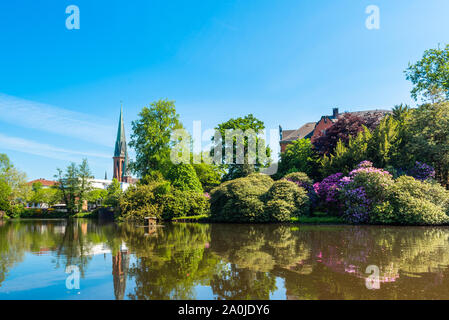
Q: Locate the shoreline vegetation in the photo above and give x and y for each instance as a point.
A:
(387, 168)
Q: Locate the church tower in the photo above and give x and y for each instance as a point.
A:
(120, 168)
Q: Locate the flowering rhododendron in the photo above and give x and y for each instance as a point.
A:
(422, 171)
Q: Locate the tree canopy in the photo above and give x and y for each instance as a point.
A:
(151, 137)
(430, 75)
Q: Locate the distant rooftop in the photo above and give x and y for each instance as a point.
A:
(45, 183)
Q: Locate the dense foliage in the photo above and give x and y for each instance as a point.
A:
(74, 185)
(184, 178)
(348, 125)
(246, 124)
(257, 198)
(158, 198)
(371, 195)
(430, 75)
(299, 156)
(151, 136)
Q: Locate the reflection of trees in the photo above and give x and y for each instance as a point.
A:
(235, 283)
(243, 261)
(18, 238)
(412, 262)
(170, 262)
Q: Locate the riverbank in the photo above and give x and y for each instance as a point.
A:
(316, 218)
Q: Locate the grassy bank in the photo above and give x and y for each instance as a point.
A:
(315, 218)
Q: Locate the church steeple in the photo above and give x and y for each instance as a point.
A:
(120, 168)
(120, 142)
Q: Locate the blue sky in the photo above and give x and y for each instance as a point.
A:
(287, 62)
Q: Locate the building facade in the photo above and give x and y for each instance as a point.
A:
(314, 130)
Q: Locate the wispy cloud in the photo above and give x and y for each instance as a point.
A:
(56, 120)
(46, 150)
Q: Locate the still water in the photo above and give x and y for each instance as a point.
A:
(56, 259)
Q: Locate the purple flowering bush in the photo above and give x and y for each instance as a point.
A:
(422, 171)
(327, 192)
(355, 196)
(364, 190)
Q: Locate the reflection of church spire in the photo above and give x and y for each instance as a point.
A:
(120, 266)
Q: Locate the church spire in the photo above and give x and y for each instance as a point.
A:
(120, 143)
(120, 158)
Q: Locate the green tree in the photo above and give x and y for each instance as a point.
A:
(298, 157)
(113, 193)
(49, 196)
(208, 174)
(430, 138)
(151, 136)
(247, 124)
(15, 179)
(183, 177)
(96, 195)
(5, 192)
(345, 158)
(430, 75)
(384, 142)
(74, 185)
(84, 175)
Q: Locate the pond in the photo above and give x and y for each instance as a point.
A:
(83, 259)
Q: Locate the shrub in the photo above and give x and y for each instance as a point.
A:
(363, 190)
(422, 171)
(240, 200)
(292, 194)
(184, 203)
(142, 201)
(183, 177)
(417, 211)
(303, 180)
(279, 210)
(300, 177)
(419, 202)
(327, 192)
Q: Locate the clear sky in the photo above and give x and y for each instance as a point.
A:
(287, 62)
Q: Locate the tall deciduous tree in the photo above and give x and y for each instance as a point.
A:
(430, 138)
(151, 137)
(19, 191)
(246, 124)
(430, 75)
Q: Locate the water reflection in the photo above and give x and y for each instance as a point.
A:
(220, 261)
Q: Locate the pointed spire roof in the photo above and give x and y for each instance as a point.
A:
(120, 143)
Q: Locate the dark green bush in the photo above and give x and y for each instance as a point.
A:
(279, 210)
(295, 198)
(300, 177)
(241, 200)
(257, 198)
(419, 202)
(142, 201)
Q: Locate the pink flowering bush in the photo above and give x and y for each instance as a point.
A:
(363, 191)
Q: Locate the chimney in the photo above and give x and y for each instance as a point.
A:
(335, 113)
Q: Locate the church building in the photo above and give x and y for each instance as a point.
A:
(120, 159)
